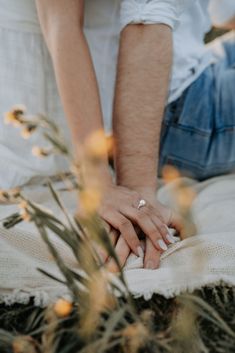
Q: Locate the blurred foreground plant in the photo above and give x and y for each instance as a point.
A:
(102, 316)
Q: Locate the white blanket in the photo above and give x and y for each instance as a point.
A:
(205, 259)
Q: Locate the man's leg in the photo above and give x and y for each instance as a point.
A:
(198, 135)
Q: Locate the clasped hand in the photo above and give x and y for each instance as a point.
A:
(119, 210)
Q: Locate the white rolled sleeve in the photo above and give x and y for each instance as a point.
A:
(152, 11)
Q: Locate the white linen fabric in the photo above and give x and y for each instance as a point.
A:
(208, 258)
(222, 11)
(27, 76)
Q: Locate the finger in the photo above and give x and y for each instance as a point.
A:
(142, 217)
(172, 219)
(152, 256)
(123, 250)
(164, 231)
(176, 222)
(161, 224)
(126, 229)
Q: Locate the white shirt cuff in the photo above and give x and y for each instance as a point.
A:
(151, 12)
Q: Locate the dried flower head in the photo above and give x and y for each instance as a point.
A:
(15, 116)
(27, 131)
(11, 195)
(170, 174)
(90, 199)
(4, 195)
(96, 145)
(14, 193)
(185, 198)
(63, 308)
(40, 152)
(25, 215)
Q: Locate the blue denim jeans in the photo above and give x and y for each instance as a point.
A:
(198, 131)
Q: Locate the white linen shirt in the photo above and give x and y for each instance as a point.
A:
(190, 20)
(104, 19)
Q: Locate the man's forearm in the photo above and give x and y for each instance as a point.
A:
(144, 66)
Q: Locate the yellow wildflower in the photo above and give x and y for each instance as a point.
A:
(15, 116)
(63, 308)
(170, 174)
(90, 200)
(185, 197)
(96, 145)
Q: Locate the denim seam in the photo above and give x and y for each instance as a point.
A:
(223, 129)
(196, 166)
(188, 129)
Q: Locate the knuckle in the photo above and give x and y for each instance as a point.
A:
(151, 208)
(124, 224)
(104, 209)
(141, 217)
(154, 234)
(146, 211)
(135, 194)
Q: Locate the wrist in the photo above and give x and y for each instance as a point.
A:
(137, 173)
(95, 175)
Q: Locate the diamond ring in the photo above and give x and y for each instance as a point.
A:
(141, 204)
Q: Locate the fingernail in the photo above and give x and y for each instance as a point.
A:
(150, 265)
(140, 252)
(170, 238)
(162, 245)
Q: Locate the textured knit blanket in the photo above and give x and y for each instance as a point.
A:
(207, 258)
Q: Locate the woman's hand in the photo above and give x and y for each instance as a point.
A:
(157, 214)
(119, 208)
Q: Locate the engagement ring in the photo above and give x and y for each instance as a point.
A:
(142, 203)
